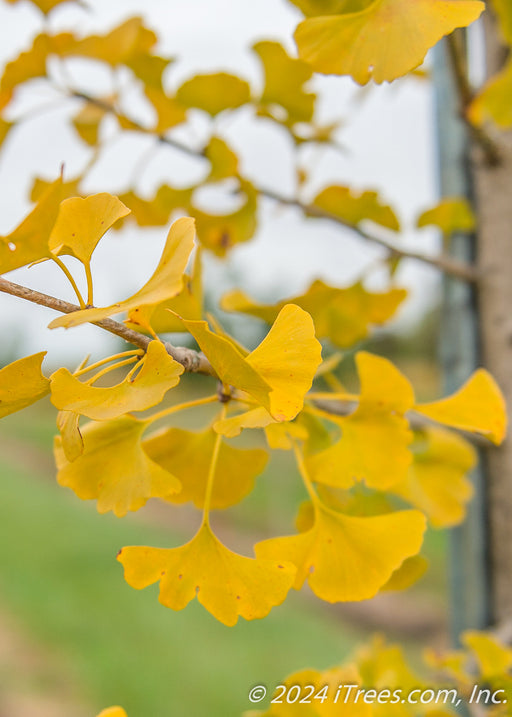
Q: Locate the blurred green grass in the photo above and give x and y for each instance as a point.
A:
(59, 575)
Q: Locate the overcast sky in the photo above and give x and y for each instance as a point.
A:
(388, 146)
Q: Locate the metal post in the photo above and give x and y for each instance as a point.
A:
(459, 353)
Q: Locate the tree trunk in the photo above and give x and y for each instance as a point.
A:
(493, 190)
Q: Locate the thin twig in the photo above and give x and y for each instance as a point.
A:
(192, 361)
(444, 263)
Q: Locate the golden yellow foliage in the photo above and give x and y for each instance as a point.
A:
(384, 39)
(227, 584)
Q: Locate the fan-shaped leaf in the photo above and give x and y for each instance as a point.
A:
(384, 39)
(214, 93)
(158, 374)
(22, 383)
(81, 223)
(187, 455)
(345, 557)
(227, 584)
(166, 282)
(478, 406)
(114, 468)
(374, 443)
(279, 372)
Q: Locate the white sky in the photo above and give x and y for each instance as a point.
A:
(388, 141)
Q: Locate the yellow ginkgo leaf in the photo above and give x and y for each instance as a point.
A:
(345, 557)
(40, 186)
(44, 5)
(279, 435)
(385, 666)
(214, 93)
(159, 373)
(437, 480)
(452, 214)
(345, 315)
(284, 82)
(494, 659)
(187, 455)
(22, 383)
(383, 40)
(148, 68)
(409, 572)
(31, 63)
(87, 122)
(220, 233)
(117, 46)
(81, 223)
(29, 241)
(279, 372)
(503, 10)
(166, 282)
(493, 102)
(228, 585)
(378, 421)
(188, 303)
(452, 663)
(223, 161)
(114, 468)
(68, 424)
(168, 110)
(478, 406)
(115, 711)
(156, 212)
(4, 129)
(355, 207)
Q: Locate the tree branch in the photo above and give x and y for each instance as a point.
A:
(443, 263)
(192, 361)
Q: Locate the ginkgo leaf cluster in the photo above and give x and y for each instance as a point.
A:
(373, 478)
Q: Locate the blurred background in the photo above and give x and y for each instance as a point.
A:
(74, 637)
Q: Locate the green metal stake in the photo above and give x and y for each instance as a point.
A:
(459, 354)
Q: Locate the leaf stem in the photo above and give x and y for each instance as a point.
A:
(70, 278)
(108, 359)
(108, 369)
(301, 465)
(211, 473)
(181, 407)
(90, 288)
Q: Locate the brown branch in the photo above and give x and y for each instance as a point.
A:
(490, 148)
(444, 263)
(192, 361)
